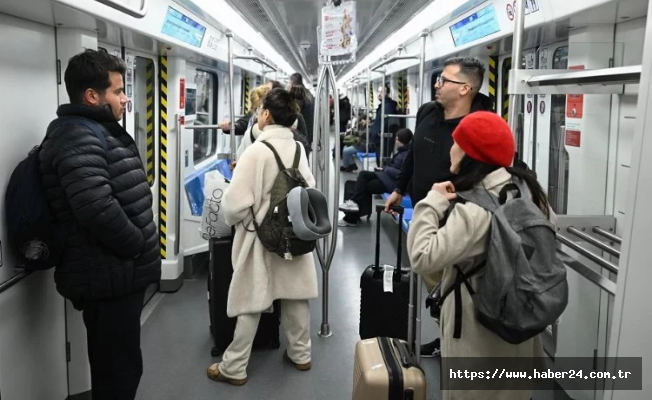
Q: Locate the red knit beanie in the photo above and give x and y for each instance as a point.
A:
(486, 137)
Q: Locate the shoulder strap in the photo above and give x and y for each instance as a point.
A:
(481, 197)
(297, 156)
(276, 156)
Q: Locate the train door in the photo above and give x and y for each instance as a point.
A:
(141, 119)
(199, 155)
(551, 156)
(529, 116)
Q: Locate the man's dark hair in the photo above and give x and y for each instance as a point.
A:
(404, 135)
(388, 90)
(282, 106)
(470, 67)
(296, 79)
(90, 70)
(276, 85)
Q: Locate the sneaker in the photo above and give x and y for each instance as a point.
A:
(432, 349)
(345, 223)
(349, 206)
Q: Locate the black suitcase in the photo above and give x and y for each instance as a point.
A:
(220, 272)
(385, 313)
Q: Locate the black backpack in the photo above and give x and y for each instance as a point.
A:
(276, 232)
(31, 228)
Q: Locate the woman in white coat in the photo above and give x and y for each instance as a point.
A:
(481, 155)
(260, 276)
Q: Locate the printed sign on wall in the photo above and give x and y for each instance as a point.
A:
(575, 102)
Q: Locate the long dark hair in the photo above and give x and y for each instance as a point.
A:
(472, 172)
(299, 91)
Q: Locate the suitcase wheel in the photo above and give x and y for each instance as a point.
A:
(215, 352)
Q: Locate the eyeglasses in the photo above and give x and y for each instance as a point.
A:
(441, 80)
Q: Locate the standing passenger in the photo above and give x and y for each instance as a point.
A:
(260, 276)
(306, 103)
(481, 157)
(457, 93)
(100, 192)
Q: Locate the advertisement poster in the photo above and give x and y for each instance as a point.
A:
(338, 30)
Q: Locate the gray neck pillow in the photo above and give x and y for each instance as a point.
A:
(308, 210)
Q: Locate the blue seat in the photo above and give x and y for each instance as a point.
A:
(362, 155)
(407, 217)
(406, 203)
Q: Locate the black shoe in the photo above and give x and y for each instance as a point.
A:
(432, 349)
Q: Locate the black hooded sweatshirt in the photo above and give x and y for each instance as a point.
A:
(428, 160)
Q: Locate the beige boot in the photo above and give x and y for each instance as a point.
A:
(213, 373)
(300, 367)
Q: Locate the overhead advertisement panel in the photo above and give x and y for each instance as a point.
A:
(480, 24)
(183, 28)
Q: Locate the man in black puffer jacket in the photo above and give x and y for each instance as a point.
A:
(100, 192)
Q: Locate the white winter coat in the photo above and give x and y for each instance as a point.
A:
(260, 276)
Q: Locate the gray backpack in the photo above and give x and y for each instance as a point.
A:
(523, 288)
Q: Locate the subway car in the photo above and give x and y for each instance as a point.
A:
(569, 79)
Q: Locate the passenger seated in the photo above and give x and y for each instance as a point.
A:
(351, 144)
(481, 156)
(259, 276)
(382, 180)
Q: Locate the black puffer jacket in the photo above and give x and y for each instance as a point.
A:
(112, 246)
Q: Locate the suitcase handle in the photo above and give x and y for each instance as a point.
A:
(399, 252)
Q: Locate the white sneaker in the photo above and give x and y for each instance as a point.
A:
(349, 206)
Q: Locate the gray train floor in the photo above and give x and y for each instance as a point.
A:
(176, 341)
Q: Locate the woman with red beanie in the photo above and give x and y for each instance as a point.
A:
(482, 155)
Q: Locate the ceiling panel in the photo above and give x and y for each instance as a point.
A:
(288, 23)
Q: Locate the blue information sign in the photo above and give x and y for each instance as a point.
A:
(183, 28)
(477, 25)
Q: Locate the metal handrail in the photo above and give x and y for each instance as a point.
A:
(592, 276)
(126, 9)
(202, 127)
(394, 59)
(4, 286)
(258, 60)
(608, 235)
(400, 116)
(598, 260)
(591, 240)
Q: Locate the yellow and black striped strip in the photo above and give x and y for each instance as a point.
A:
(493, 73)
(163, 151)
(507, 65)
(371, 96)
(245, 100)
(150, 120)
(400, 92)
(406, 93)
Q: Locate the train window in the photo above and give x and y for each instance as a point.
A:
(205, 140)
(144, 100)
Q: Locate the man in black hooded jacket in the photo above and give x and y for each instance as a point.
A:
(97, 188)
(428, 160)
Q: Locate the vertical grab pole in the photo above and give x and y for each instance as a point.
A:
(517, 49)
(366, 159)
(316, 124)
(422, 70)
(382, 122)
(229, 36)
(415, 305)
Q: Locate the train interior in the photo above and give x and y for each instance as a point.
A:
(579, 96)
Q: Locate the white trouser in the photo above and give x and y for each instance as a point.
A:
(295, 321)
